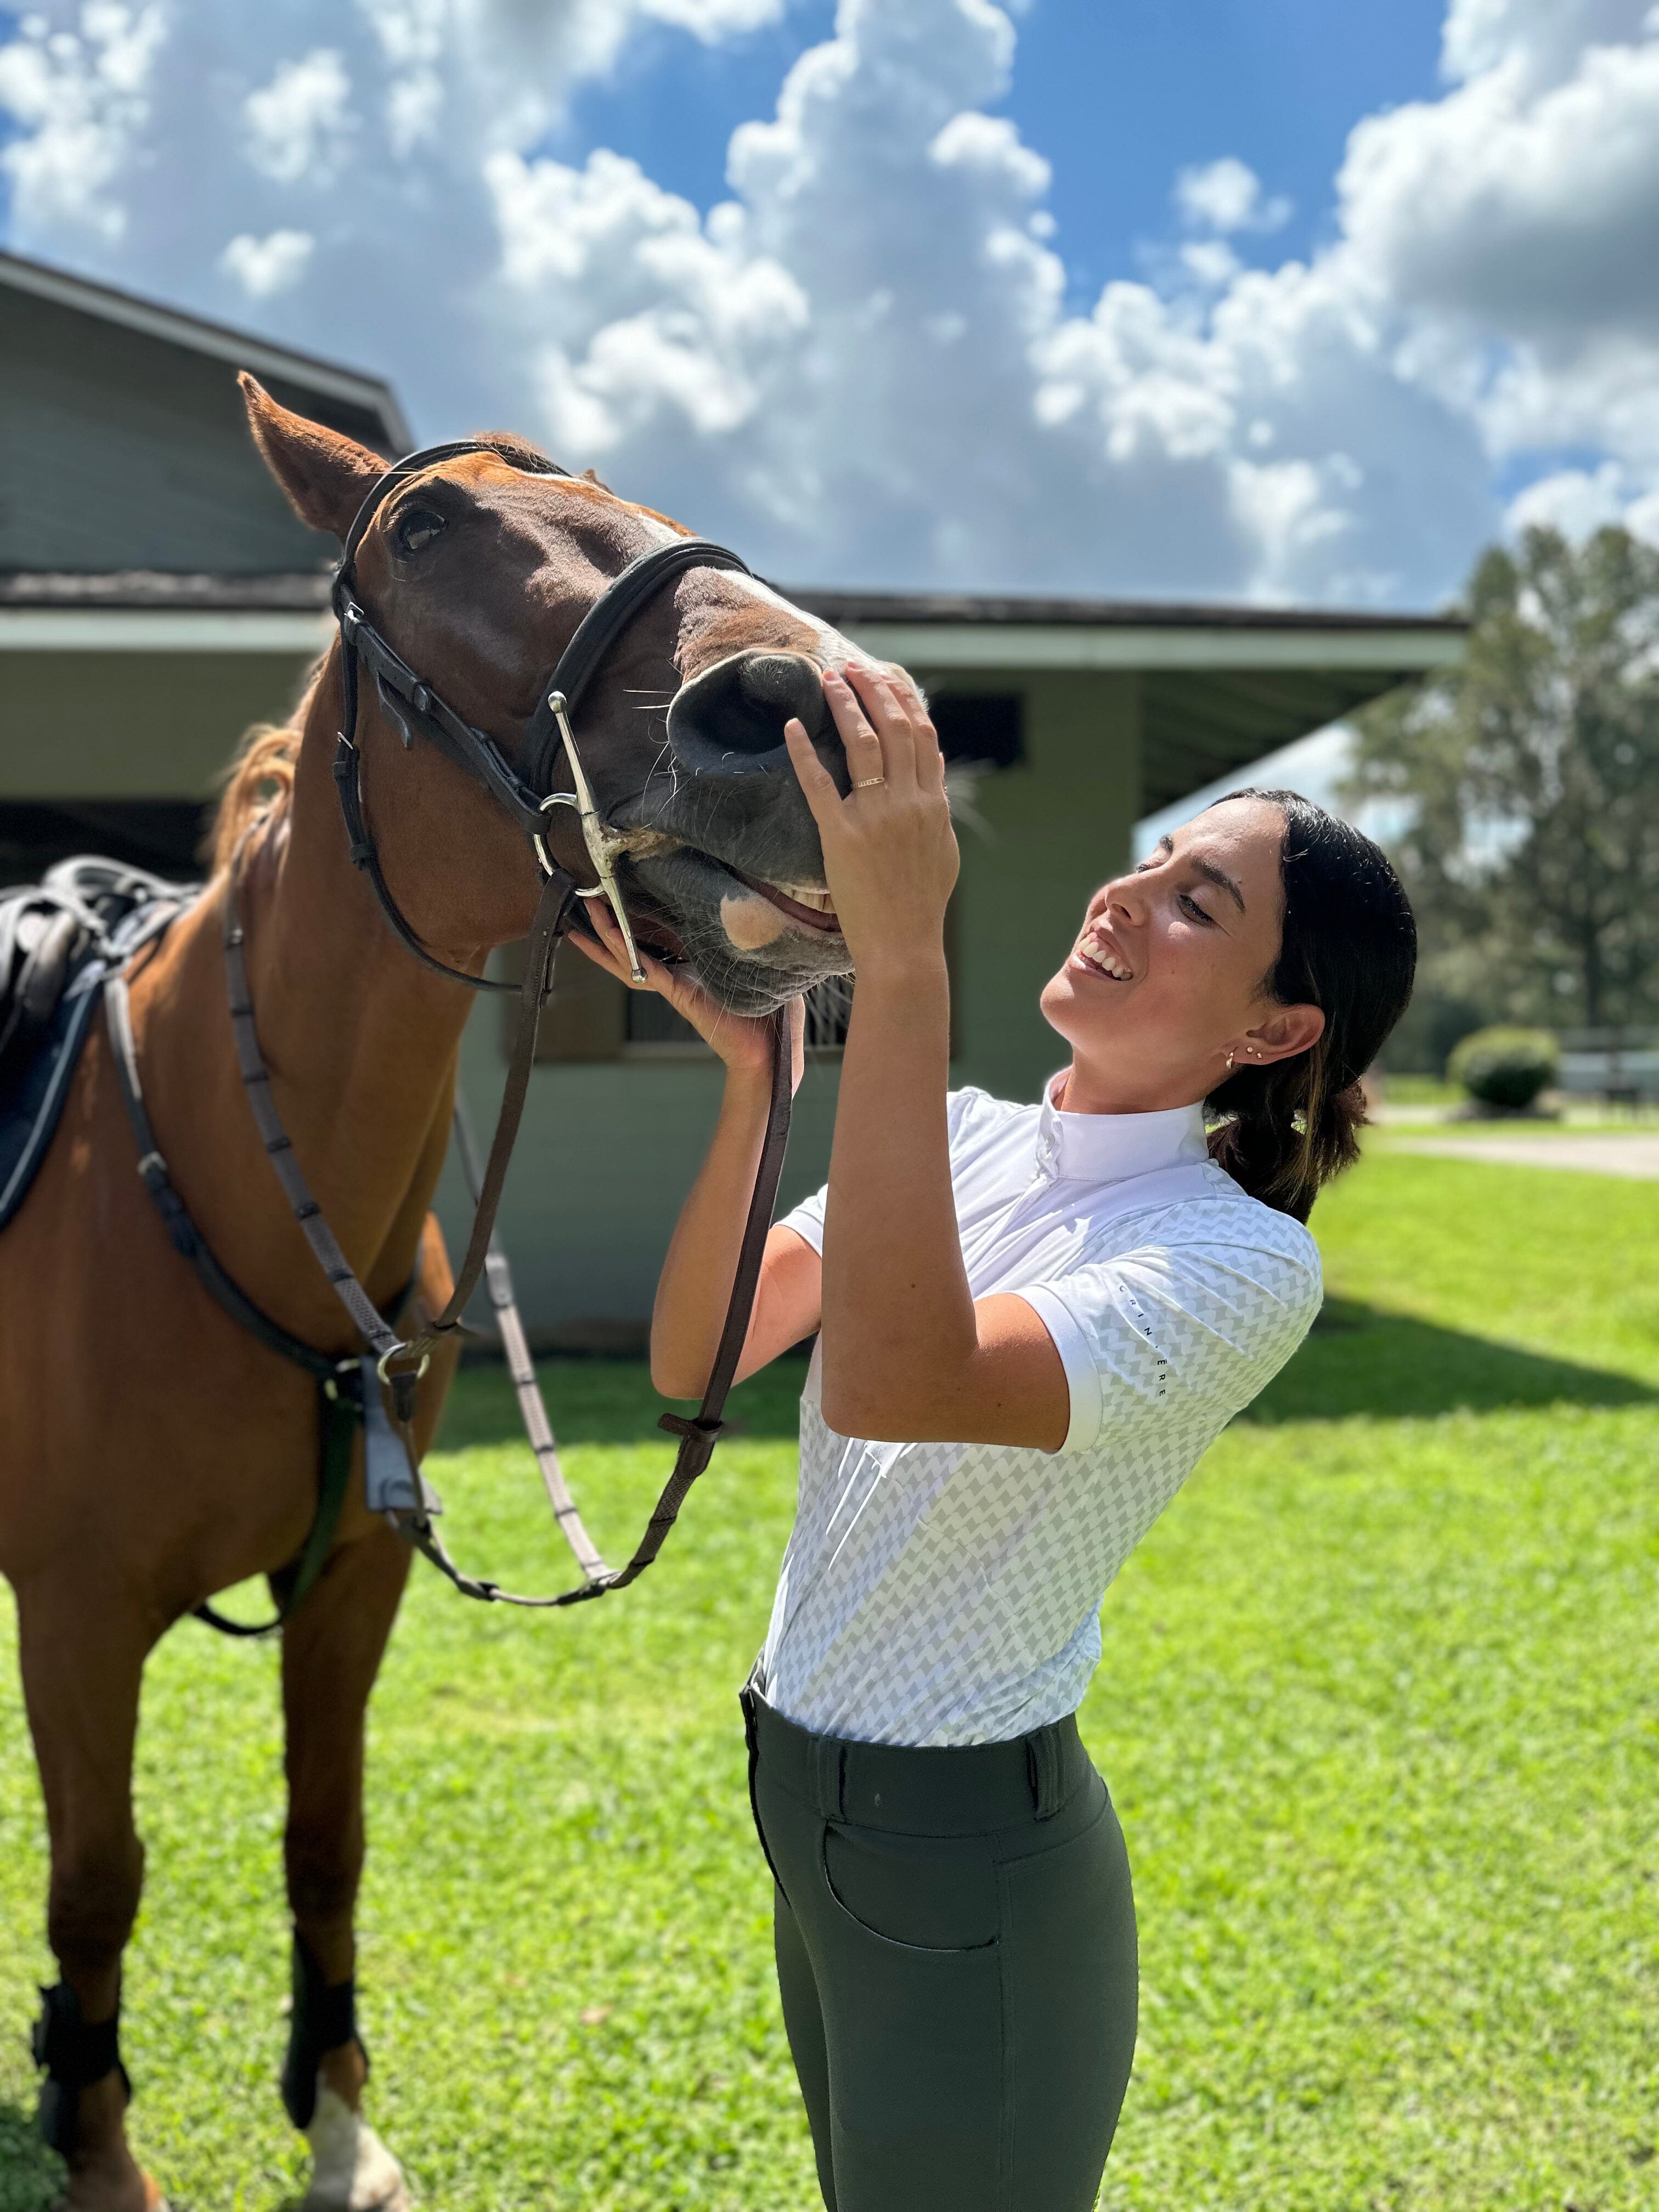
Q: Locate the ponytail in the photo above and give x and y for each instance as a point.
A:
(1347, 945)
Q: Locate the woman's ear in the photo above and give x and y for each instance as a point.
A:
(1286, 1032)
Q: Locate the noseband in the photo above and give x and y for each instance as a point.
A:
(415, 707)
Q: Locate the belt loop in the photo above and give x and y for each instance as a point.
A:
(829, 1776)
(1043, 1764)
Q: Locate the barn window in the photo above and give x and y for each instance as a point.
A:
(986, 728)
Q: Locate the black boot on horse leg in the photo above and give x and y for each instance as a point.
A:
(331, 1649)
(82, 1692)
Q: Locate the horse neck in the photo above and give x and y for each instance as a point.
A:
(361, 1043)
(362, 1040)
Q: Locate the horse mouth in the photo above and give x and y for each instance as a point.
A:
(654, 923)
(812, 909)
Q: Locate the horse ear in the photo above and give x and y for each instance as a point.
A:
(326, 476)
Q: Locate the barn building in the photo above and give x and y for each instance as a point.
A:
(157, 596)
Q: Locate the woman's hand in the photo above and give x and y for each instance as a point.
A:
(889, 852)
(743, 1042)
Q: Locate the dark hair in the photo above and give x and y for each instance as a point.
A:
(1349, 947)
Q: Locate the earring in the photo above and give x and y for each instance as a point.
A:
(1230, 1063)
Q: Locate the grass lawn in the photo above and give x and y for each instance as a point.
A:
(1377, 1709)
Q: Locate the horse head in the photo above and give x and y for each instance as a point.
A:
(477, 570)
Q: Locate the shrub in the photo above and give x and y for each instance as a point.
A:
(1504, 1068)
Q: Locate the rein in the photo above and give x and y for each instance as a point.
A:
(349, 1389)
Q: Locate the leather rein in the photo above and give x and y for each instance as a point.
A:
(418, 710)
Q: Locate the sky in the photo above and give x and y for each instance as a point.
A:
(1257, 299)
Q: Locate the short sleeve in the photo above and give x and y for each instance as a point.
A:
(807, 1219)
(1178, 1326)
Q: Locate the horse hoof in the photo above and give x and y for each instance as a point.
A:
(351, 2169)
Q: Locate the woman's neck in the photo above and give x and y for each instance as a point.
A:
(1081, 1090)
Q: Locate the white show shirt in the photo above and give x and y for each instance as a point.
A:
(949, 1593)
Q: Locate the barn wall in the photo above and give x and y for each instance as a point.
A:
(118, 450)
(133, 725)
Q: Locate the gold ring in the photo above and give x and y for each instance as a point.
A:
(869, 783)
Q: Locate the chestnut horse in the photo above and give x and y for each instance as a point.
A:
(152, 1453)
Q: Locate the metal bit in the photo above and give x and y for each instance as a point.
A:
(603, 842)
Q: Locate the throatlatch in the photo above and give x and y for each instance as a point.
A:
(77, 2053)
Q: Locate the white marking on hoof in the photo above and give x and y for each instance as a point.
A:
(351, 2169)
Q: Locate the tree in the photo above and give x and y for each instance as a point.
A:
(1525, 782)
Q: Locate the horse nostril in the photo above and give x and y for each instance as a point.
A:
(730, 719)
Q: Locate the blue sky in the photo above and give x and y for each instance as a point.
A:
(1281, 301)
(1116, 94)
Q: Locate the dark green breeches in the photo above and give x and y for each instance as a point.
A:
(956, 1951)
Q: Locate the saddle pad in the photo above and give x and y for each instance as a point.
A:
(30, 1110)
(114, 909)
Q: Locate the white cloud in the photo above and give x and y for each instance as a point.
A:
(263, 266)
(297, 123)
(863, 364)
(1227, 195)
(78, 92)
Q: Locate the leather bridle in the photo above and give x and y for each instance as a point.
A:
(419, 710)
(416, 708)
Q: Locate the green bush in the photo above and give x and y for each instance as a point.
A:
(1504, 1068)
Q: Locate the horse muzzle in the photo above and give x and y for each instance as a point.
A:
(729, 719)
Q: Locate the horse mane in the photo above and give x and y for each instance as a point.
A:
(258, 785)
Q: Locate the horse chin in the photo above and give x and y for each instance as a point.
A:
(686, 890)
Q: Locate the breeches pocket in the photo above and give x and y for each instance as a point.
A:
(922, 1894)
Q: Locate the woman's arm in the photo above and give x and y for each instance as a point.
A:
(908, 1355)
(695, 1288)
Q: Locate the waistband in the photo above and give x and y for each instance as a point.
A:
(920, 1791)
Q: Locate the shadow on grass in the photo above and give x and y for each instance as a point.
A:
(609, 1402)
(31, 2176)
(1361, 1360)
(1358, 1359)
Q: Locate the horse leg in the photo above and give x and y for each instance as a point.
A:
(332, 1652)
(82, 1654)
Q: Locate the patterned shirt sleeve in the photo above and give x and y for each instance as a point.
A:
(807, 1219)
(1192, 1324)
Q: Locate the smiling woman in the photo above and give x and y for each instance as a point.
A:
(1031, 1321)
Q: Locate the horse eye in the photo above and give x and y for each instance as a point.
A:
(417, 528)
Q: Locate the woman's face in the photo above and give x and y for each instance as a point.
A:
(1168, 975)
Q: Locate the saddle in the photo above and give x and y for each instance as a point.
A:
(59, 939)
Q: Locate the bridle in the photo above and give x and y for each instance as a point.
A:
(417, 710)
(415, 706)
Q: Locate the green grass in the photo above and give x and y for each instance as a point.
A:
(1376, 1707)
(1421, 1091)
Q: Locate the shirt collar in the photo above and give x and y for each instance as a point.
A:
(1102, 1148)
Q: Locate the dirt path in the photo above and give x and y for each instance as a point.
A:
(1634, 1156)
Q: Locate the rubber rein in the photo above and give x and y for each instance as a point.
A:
(349, 1389)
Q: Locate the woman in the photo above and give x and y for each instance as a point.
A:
(1031, 1321)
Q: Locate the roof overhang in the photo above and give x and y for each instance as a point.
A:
(1218, 687)
(161, 630)
(1413, 651)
